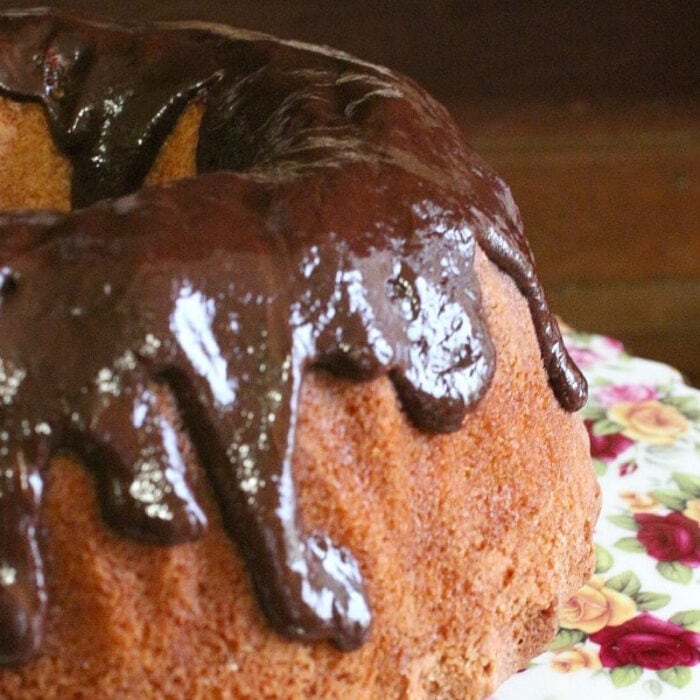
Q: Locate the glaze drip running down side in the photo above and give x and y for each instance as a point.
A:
(333, 225)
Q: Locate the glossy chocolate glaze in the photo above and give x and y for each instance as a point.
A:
(333, 225)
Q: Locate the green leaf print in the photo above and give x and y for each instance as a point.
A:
(675, 500)
(625, 521)
(651, 601)
(625, 675)
(566, 638)
(690, 619)
(627, 583)
(689, 406)
(688, 483)
(678, 676)
(603, 559)
(675, 571)
(606, 427)
(653, 686)
(593, 413)
(630, 544)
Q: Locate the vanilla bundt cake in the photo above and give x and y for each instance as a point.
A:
(284, 413)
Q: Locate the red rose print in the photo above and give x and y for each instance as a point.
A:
(583, 357)
(607, 447)
(608, 396)
(628, 468)
(672, 537)
(648, 642)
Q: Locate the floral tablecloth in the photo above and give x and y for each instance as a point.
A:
(633, 631)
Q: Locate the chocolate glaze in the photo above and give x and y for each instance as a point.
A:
(333, 225)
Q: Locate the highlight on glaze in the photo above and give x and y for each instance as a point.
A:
(333, 225)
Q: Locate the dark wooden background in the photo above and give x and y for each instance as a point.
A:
(591, 111)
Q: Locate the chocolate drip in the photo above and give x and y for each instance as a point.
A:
(565, 377)
(339, 233)
(22, 591)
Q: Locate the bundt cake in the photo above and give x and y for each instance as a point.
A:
(284, 413)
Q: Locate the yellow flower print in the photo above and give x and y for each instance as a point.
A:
(595, 607)
(692, 509)
(575, 659)
(649, 421)
(639, 502)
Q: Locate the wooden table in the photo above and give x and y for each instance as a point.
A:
(610, 196)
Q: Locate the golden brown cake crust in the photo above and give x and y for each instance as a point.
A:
(33, 174)
(469, 542)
